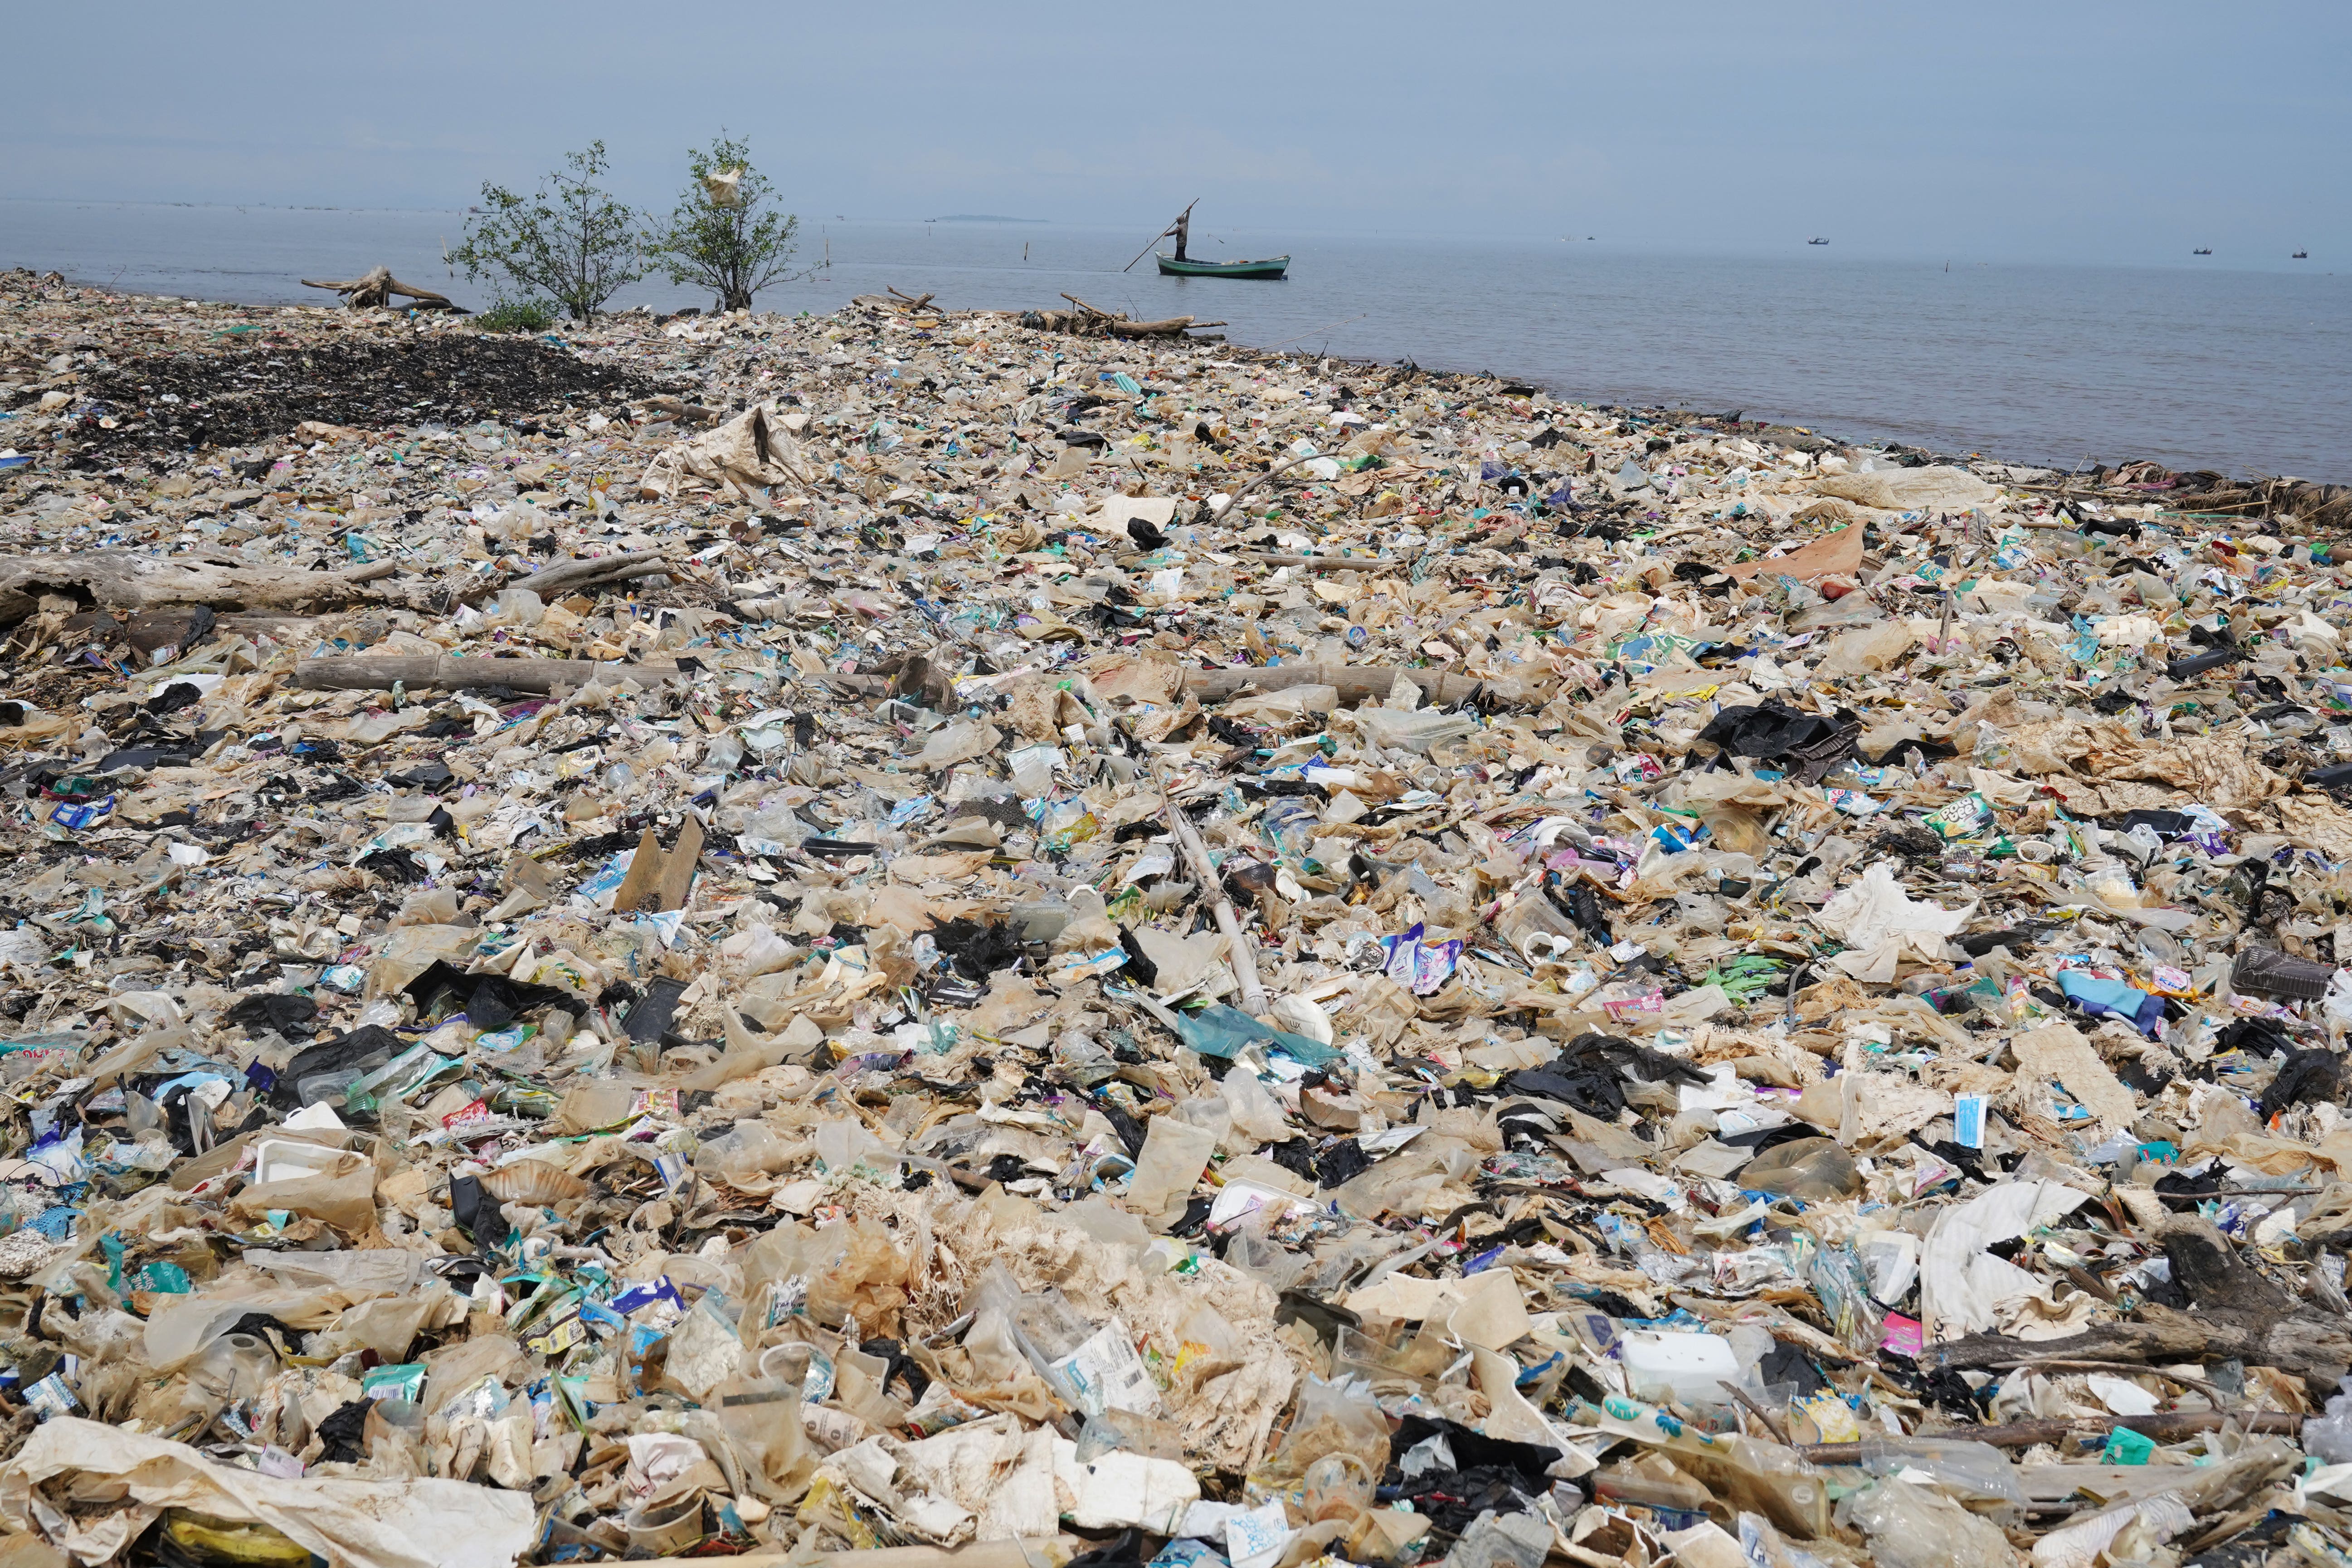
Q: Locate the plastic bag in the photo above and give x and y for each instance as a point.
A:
(1813, 1169)
(747, 1151)
(1911, 1527)
(1174, 1155)
(865, 1282)
(342, 1194)
(1262, 1258)
(1743, 1472)
(1865, 649)
(1331, 1418)
(517, 607)
(1976, 1476)
(704, 1351)
(957, 743)
(1257, 1114)
(2328, 1437)
(1503, 1541)
(1423, 730)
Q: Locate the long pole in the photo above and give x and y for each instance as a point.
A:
(1239, 943)
(1160, 236)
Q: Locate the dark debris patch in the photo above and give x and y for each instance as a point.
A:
(243, 396)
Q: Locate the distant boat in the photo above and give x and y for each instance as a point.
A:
(1272, 267)
(2206, 250)
(1817, 242)
(2300, 255)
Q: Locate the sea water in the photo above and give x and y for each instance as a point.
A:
(2243, 369)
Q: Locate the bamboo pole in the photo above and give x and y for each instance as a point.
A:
(1239, 944)
(1157, 238)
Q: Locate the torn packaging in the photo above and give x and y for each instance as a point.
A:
(364, 1523)
(750, 451)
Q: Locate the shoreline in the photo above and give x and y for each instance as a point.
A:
(1898, 429)
(2334, 502)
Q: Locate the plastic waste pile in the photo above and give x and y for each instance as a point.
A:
(901, 940)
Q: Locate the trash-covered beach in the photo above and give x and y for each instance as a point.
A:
(1011, 938)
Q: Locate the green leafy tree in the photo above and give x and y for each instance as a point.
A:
(570, 239)
(726, 234)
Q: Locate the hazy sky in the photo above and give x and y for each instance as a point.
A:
(2055, 129)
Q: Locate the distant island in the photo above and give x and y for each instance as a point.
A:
(985, 217)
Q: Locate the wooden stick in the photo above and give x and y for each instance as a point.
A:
(1354, 682)
(2165, 1427)
(1156, 239)
(1780, 1433)
(1033, 1552)
(552, 582)
(1232, 506)
(1327, 562)
(1238, 942)
(367, 673)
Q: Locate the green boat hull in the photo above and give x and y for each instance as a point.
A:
(1273, 266)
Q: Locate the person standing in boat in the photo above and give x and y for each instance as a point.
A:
(1181, 232)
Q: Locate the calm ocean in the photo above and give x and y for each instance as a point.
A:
(2194, 365)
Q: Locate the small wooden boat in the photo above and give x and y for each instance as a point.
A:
(2300, 255)
(1817, 241)
(1272, 267)
(2206, 250)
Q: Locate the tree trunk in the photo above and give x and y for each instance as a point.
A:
(127, 580)
(2239, 1316)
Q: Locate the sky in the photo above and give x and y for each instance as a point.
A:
(2057, 131)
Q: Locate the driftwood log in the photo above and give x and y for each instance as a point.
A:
(679, 408)
(127, 580)
(365, 672)
(375, 291)
(552, 582)
(1088, 321)
(2239, 1316)
(1327, 562)
(1355, 683)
